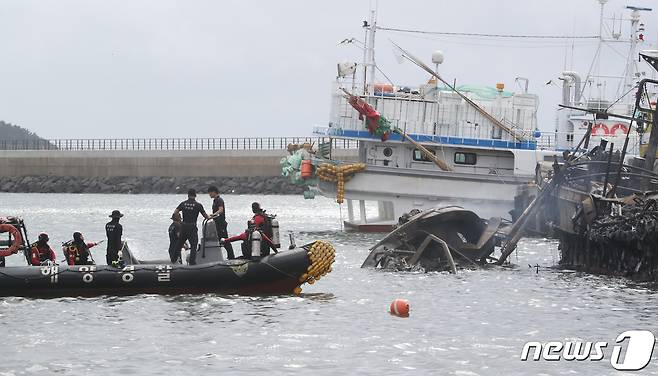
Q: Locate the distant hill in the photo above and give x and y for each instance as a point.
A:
(14, 132)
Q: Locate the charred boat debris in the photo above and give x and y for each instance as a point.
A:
(436, 240)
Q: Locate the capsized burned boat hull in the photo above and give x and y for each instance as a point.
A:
(436, 239)
(275, 274)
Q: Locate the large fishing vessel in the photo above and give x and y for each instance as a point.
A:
(487, 138)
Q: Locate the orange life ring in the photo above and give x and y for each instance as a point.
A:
(618, 126)
(16, 244)
(600, 126)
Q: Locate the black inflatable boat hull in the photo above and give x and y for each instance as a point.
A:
(275, 274)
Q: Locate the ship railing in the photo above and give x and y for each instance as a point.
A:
(567, 141)
(452, 118)
(116, 144)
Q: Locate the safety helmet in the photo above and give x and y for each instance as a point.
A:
(43, 237)
(77, 236)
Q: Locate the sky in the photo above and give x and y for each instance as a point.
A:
(246, 68)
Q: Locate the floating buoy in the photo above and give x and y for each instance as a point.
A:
(306, 169)
(297, 290)
(400, 308)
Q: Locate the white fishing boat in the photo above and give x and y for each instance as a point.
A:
(488, 137)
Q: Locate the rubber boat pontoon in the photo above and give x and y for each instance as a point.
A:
(280, 273)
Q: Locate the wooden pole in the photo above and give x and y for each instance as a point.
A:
(437, 161)
(516, 232)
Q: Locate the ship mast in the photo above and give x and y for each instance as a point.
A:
(369, 52)
(629, 77)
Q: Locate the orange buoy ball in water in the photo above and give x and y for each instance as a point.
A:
(400, 308)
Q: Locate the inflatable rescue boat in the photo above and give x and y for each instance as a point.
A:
(280, 273)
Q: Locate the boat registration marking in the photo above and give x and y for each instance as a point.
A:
(52, 271)
(164, 273)
(88, 277)
(127, 275)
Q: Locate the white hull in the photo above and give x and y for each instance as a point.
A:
(399, 190)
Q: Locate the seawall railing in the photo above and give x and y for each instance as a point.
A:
(242, 143)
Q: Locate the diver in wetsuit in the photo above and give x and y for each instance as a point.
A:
(76, 251)
(40, 251)
(190, 209)
(113, 230)
(256, 223)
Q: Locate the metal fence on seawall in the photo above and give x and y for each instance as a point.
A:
(244, 143)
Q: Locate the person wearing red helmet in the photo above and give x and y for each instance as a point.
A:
(256, 223)
(40, 251)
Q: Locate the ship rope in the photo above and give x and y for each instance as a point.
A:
(485, 35)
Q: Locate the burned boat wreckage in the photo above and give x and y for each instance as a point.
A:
(602, 204)
(439, 239)
(281, 273)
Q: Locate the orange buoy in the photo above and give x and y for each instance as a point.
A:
(400, 308)
(307, 169)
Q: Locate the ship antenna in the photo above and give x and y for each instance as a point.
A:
(602, 2)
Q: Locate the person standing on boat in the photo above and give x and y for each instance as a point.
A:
(77, 252)
(219, 217)
(114, 230)
(189, 231)
(174, 236)
(41, 252)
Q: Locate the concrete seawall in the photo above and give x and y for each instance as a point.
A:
(144, 163)
(171, 171)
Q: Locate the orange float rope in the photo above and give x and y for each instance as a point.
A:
(339, 174)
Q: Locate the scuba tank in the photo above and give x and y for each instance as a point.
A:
(255, 244)
(276, 241)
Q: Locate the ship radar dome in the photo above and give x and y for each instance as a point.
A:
(437, 57)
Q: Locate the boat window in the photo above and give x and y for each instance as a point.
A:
(465, 158)
(419, 156)
(388, 152)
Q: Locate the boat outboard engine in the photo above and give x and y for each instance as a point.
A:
(255, 244)
(276, 240)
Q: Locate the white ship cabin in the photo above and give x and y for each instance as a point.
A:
(444, 123)
(572, 125)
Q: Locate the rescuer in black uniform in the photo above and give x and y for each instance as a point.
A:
(219, 217)
(174, 235)
(190, 209)
(114, 230)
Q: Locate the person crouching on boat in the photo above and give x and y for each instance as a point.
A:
(40, 251)
(77, 252)
(256, 223)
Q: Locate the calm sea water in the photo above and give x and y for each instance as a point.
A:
(472, 323)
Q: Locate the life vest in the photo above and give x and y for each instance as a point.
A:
(76, 253)
(43, 253)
